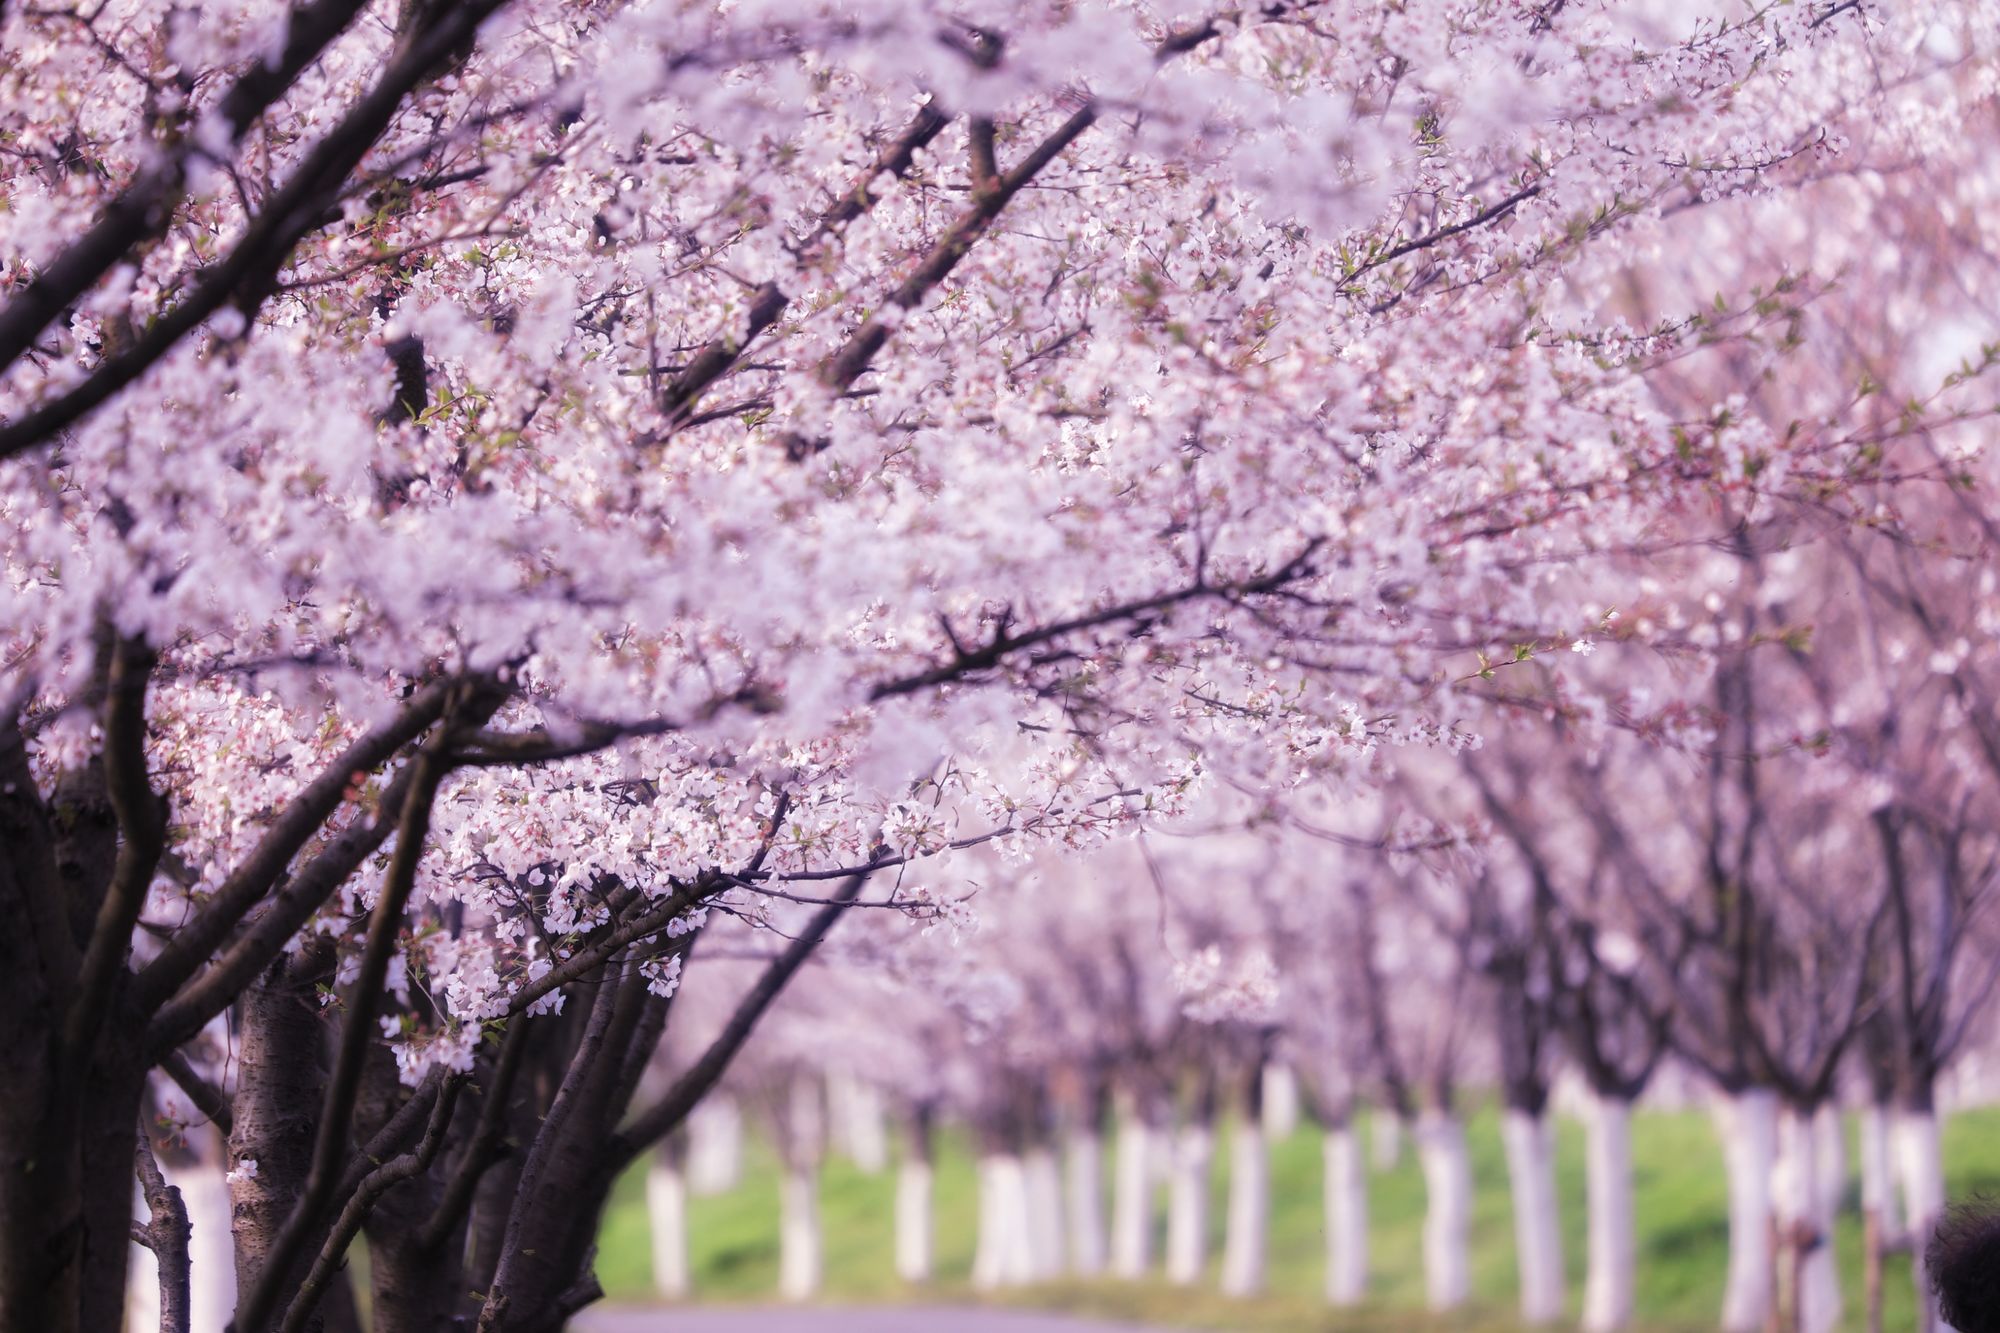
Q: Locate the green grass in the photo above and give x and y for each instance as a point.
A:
(1681, 1224)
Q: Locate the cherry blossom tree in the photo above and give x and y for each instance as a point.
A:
(492, 489)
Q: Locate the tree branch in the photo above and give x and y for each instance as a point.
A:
(656, 1121)
(217, 988)
(142, 827)
(483, 1150)
(303, 816)
(373, 1186)
(364, 998)
(292, 212)
(207, 1098)
(166, 1235)
(145, 208)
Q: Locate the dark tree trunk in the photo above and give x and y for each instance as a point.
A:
(281, 1083)
(414, 1287)
(544, 1271)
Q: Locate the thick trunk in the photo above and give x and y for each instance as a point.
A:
(666, 1214)
(1447, 1169)
(486, 1228)
(543, 1273)
(1004, 1255)
(1806, 1272)
(715, 1145)
(1611, 1265)
(1531, 1175)
(1919, 1166)
(110, 1138)
(800, 1253)
(1132, 1194)
(1084, 1190)
(1249, 1209)
(1748, 1125)
(280, 1083)
(413, 1288)
(1187, 1204)
(1346, 1190)
(1045, 1212)
(1280, 1098)
(41, 1188)
(68, 1118)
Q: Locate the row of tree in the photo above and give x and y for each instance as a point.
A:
(505, 502)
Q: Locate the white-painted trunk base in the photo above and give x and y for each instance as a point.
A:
(801, 1257)
(1083, 1186)
(1132, 1197)
(1244, 1244)
(1807, 1275)
(913, 1220)
(1747, 1123)
(1043, 1182)
(1187, 1205)
(1919, 1168)
(1611, 1265)
(860, 1121)
(1531, 1176)
(1279, 1097)
(1447, 1169)
(1346, 1201)
(666, 1212)
(1878, 1174)
(715, 1146)
(1003, 1256)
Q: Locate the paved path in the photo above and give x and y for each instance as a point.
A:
(901, 1319)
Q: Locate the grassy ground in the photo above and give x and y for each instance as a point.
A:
(1681, 1222)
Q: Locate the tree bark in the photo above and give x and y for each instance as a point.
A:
(167, 1233)
(281, 1081)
